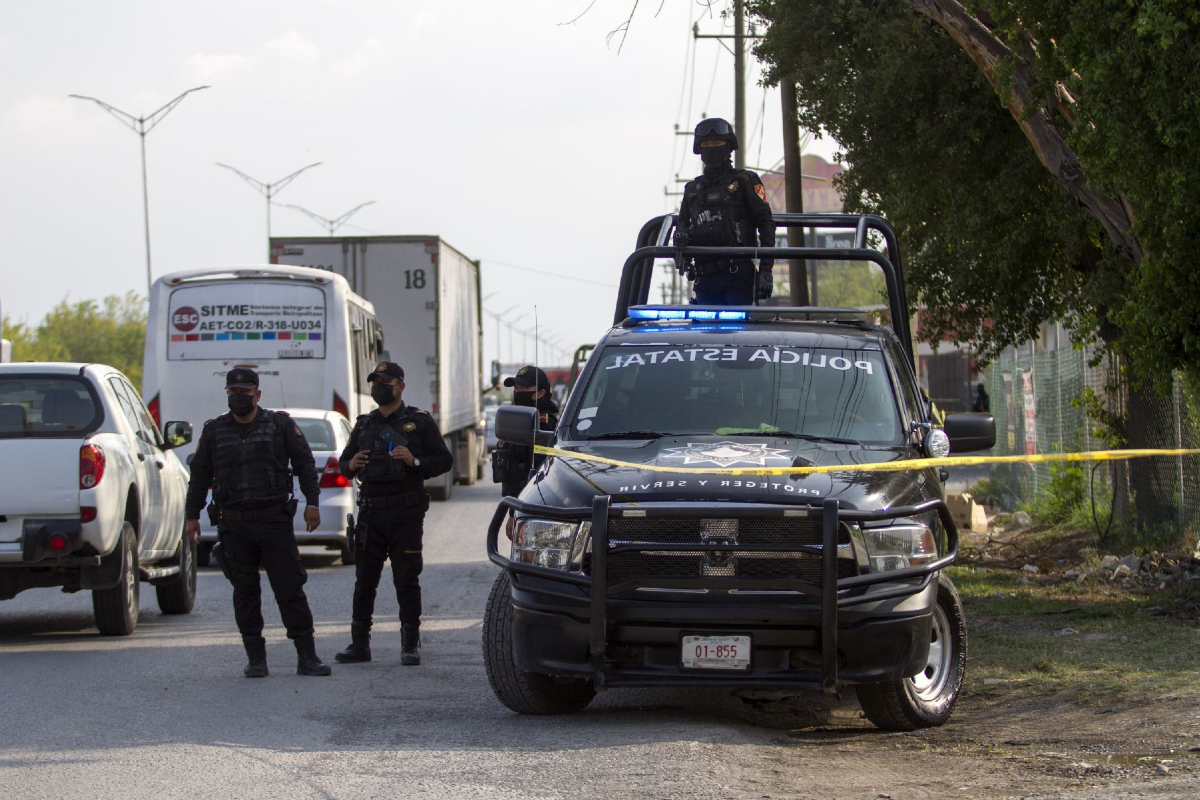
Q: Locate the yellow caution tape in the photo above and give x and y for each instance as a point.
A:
(885, 466)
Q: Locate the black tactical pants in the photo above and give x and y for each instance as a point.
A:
(723, 287)
(389, 533)
(271, 545)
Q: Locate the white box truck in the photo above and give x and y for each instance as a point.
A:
(426, 299)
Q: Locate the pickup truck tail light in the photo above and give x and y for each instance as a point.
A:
(332, 477)
(91, 466)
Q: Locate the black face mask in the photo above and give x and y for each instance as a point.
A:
(715, 156)
(382, 393)
(241, 404)
(524, 399)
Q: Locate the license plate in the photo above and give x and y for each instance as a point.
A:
(715, 652)
(295, 353)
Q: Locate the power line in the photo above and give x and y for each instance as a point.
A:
(550, 274)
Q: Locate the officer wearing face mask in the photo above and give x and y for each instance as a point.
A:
(392, 451)
(725, 207)
(243, 456)
(512, 463)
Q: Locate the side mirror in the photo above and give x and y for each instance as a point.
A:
(177, 434)
(519, 425)
(970, 432)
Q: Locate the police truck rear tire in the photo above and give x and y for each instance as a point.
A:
(116, 609)
(179, 596)
(926, 699)
(521, 691)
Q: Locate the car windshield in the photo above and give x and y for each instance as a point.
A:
(817, 393)
(318, 432)
(46, 407)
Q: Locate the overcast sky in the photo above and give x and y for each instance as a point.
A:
(522, 141)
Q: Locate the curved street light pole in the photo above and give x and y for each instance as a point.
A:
(269, 190)
(331, 224)
(141, 126)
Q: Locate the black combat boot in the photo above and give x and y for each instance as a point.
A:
(307, 662)
(410, 644)
(256, 652)
(359, 649)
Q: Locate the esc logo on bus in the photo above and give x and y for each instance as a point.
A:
(185, 318)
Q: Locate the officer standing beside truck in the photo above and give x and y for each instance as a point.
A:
(725, 207)
(243, 456)
(512, 463)
(392, 451)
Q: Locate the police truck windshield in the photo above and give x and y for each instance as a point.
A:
(820, 393)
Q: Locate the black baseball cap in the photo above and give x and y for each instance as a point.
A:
(527, 376)
(241, 378)
(384, 370)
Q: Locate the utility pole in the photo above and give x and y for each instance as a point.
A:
(793, 189)
(141, 126)
(739, 85)
(269, 190)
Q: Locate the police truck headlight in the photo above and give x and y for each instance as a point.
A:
(544, 543)
(903, 544)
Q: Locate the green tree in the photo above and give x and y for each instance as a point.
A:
(111, 332)
(1036, 157)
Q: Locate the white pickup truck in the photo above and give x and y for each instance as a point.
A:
(90, 495)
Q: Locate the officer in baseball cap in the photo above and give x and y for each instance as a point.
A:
(512, 463)
(243, 457)
(392, 452)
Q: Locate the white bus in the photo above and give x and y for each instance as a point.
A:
(311, 340)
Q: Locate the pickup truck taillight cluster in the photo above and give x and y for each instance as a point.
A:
(91, 466)
(332, 477)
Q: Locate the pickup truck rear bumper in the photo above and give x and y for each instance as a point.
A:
(628, 632)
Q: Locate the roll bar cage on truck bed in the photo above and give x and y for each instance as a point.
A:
(654, 241)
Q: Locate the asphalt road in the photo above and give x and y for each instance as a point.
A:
(166, 712)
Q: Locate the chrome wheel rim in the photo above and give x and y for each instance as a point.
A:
(930, 683)
(131, 582)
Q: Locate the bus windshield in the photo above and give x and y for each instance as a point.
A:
(819, 393)
(246, 320)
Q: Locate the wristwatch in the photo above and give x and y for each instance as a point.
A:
(416, 461)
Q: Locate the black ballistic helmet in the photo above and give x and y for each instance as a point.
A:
(714, 128)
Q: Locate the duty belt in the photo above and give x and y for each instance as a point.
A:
(250, 514)
(711, 266)
(414, 498)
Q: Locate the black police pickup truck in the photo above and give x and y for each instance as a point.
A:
(664, 542)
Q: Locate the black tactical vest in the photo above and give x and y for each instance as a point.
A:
(717, 212)
(379, 437)
(253, 470)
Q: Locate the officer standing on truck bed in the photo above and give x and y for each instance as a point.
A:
(512, 463)
(725, 207)
(243, 456)
(392, 451)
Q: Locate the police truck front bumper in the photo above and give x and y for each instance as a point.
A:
(862, 628)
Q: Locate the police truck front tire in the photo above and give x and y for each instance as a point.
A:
(179, 596)
(521, 691)
(926, 699)
(116, 609)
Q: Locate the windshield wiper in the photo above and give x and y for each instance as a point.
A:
(808, 437)
(629, 435)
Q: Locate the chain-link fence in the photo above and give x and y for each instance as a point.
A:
(1041, 403)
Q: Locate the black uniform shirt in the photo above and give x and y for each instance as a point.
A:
(425, 442)
(744, 188)
(298, 451)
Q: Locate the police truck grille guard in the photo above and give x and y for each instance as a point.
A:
(833, 591)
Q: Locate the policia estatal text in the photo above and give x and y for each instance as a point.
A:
(725, 207)
(243, 456)
(392, 451)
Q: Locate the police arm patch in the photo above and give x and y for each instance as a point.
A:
(408, 427)
(760, 191)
